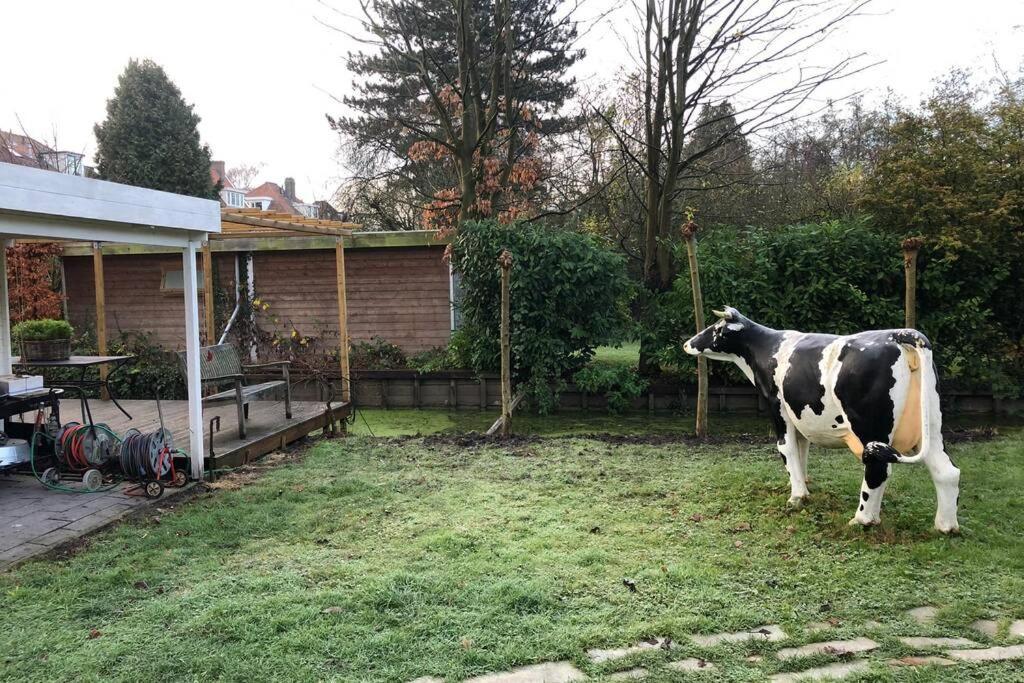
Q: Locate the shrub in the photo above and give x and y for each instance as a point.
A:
(42, 330)
(436, 359)
(619, 384)
(568, 295)
(376, 354)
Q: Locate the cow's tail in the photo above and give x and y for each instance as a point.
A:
(931, 414)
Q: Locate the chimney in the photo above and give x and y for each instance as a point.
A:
(289, 188)
(218, 168)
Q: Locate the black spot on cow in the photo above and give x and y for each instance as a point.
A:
(877, 457)
(911, 337)
(863, 385)
(839, 419)
(861, 508)
(864, 495)
(835, 426)
(783, 458)
(803, 386)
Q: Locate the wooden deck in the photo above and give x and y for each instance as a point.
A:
(266, 429)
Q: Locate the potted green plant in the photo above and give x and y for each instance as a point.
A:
(43, 339)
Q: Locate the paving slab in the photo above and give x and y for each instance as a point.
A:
(988, 654)
(832, 671)
(1017, 628)
(549, 672)
(598, 655)
(922, 661)
(923, 615)
(691, 664)
(770, 633)
(633, 674)
(427, 679)
(828, 647)
(922, 643)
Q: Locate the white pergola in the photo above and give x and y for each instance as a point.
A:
(45, 205)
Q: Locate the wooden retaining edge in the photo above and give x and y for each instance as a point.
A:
(275, 440)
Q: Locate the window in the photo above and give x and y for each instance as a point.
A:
(235, 199)
(173, 281)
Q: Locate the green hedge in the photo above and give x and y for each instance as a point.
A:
(841, 277)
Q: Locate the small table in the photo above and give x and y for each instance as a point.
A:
(81, 384)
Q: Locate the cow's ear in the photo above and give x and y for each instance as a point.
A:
(734, 315)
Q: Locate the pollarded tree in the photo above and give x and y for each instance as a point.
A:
(150, 137)
(454, 98)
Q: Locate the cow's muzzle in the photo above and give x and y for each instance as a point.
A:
(688, 347)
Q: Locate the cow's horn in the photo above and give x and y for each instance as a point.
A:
(721, 314)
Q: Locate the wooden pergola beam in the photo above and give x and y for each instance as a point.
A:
(211, 330)
(339, 262)
(285, 222)
(101, 311)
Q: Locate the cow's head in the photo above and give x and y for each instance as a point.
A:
(721, 341)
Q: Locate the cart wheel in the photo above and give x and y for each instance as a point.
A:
(153, 489)
(180, 478)
(51, 476)
(92, 479)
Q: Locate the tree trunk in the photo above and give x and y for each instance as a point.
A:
(689, 234)
(911, 245)
(505, 262)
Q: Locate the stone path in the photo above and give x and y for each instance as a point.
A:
(955, 650)
(34, 519)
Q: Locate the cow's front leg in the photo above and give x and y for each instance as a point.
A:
(793, 449)
(876, 475)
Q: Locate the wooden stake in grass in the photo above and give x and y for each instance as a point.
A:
(505, 263)
(911, 246)
(689, 231)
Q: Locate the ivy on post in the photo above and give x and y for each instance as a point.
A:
(689, 231)
(505, 263)
(911, 246)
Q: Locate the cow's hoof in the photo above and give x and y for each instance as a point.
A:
(863, 521)
(796, 502)
(948, 529)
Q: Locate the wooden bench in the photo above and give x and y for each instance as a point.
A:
(219, 365)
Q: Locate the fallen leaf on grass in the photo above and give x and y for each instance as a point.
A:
(142, 585)
(333, 610)
(742, 526)
(738, 544)
(696, 517)
(94, 633)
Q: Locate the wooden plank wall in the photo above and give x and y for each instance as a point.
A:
(133, 297)
(398, 293)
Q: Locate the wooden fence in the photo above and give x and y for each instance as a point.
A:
(465, 390)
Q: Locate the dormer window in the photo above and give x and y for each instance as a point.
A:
(234, 198)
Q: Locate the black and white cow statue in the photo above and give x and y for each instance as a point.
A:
(873, 392)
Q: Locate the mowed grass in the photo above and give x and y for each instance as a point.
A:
(386, 559)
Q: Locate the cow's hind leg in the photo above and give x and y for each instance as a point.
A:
(793, 449)
(946, 478)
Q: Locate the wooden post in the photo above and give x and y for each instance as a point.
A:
(505, 262)
(101, 311)
(339, 262)
(208, 295)
(689, 235)
(911, 246)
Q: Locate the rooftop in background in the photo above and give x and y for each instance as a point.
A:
(268, 196)
(23, 150)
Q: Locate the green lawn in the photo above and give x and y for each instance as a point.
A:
(627, 354)
(388, 559)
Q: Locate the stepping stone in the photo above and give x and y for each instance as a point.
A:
(988, 654)
(692, 664)
(1017, 629)
(770, 633)
(923, 643)
(549, 672)
(832, 671)
(597, 655)
(989, 627)
(921, 661)
(428, 679)
(630, 674)
(923, 615)
(829, 647)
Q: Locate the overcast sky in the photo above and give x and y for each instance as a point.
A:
(262, 74)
